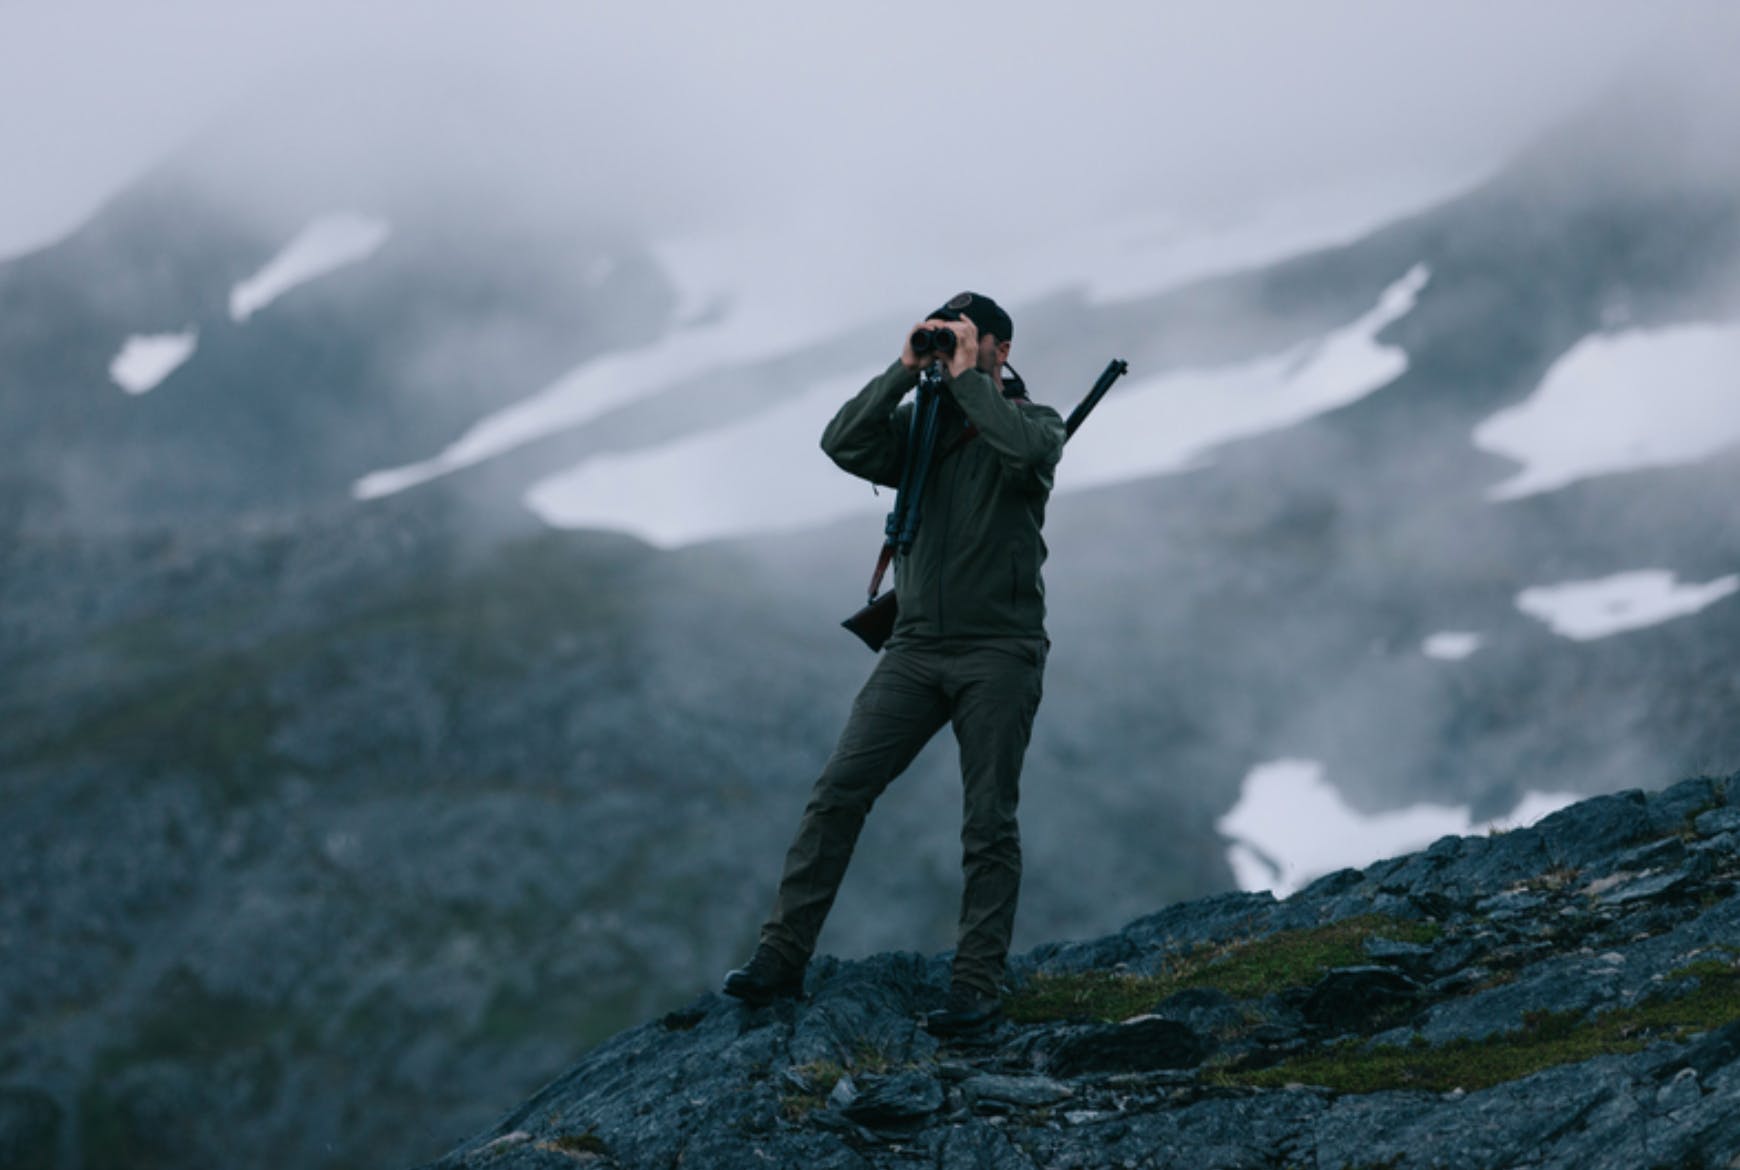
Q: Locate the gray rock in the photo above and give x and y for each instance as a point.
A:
(899, 1100)
(1410, 956)
(1716, 1050)
(978, 1145)
(1331, 884)
(1510, 904)
(1204, 1010)
(1458, 954)
(1015, 1091)
(1718, 821)
(1681, 1091)
(1458, 982)
(1644, 889)
(1591, 830)
(844, 1092)
(1677, 806)
(1654, 855)
(1724, 845)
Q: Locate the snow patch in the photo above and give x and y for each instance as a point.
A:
(584, 393)
(327, 244)
(1169, 423)
(715, 484)
(725, 324)
(1585, 610)
(1290, 826)
(1451, 645)
(1621, 402)
(758, 296)
(725, 483)
(148, 358)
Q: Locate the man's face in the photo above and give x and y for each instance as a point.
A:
(992, 353)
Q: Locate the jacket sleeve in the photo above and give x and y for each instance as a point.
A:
(1030, 439)
(867, 436)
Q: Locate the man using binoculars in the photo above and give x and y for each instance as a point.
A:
(968, 646)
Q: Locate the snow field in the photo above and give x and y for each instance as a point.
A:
(1291, 826)
(326, 245)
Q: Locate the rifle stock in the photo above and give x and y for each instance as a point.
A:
(875, 621)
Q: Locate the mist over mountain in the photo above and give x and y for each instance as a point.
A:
(316, 795)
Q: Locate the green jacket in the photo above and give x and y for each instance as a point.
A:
(973, 571)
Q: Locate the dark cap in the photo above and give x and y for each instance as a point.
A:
(981, 311)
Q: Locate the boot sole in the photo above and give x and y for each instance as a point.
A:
(757, 997)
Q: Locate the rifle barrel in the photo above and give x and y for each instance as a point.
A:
(1115, 369)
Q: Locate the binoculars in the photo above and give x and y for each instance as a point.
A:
(933, 343)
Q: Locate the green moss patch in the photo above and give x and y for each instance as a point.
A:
(1248, 969)
(819, 1078)
(1706, 996)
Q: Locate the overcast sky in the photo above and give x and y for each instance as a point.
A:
(1044, 112)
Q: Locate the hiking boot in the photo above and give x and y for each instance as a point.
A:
(965, 1012)
(765, 978)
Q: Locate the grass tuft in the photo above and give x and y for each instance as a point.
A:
(1705, 996)
(819, 1078)
(1247, 969)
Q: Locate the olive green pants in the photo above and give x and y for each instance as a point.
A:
(989, 691)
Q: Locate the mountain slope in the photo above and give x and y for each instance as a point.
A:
(1560, 996)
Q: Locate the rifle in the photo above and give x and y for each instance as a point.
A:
(875, 621)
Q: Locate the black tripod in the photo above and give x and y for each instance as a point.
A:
(902, 527)
(875, 621)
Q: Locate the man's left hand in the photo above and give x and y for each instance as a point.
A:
(966, 355)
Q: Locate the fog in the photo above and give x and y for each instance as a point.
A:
(810, 170)
(1038, 117)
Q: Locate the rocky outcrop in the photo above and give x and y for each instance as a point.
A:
(1566, 995)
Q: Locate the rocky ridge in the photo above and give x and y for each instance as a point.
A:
(1565, 995)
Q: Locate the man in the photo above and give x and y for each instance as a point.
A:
(968, 648)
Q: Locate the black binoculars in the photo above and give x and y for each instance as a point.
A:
(933, 343)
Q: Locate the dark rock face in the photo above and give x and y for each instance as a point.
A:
(1350, 998)
(1143, 1044)
(1624, 1010)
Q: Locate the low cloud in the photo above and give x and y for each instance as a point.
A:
(1030, 117)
